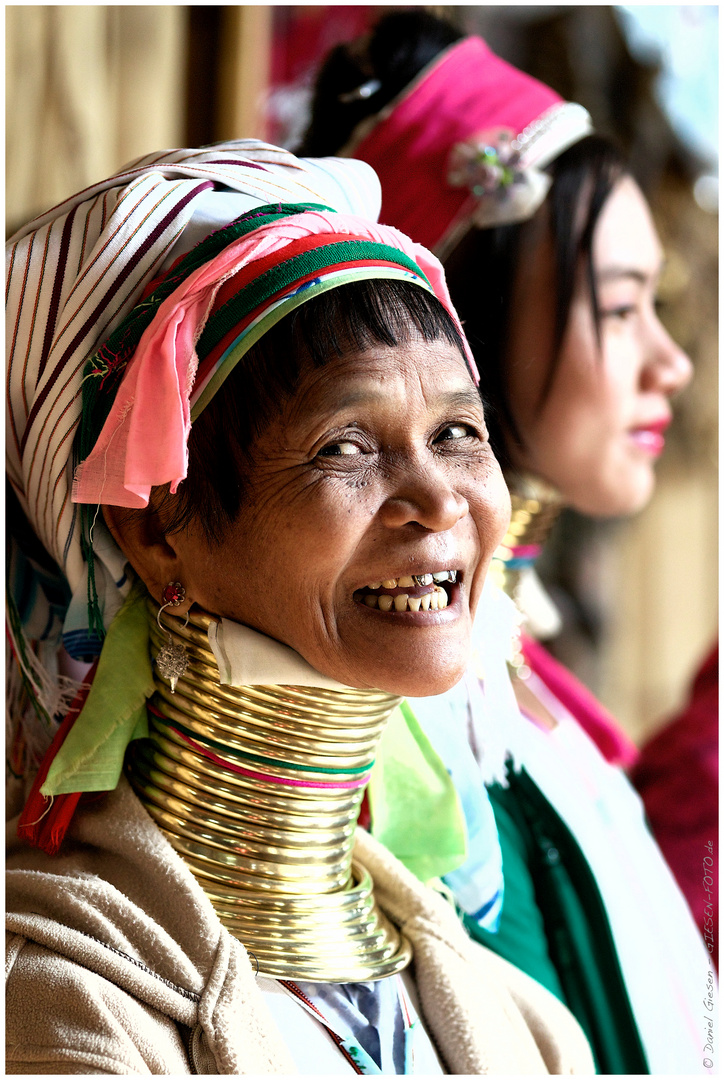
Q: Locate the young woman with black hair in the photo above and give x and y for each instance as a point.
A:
(553, 261)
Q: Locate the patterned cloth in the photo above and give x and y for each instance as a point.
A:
(375, 1025)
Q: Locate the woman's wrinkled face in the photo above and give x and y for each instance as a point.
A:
(377, 475)
(598, 434)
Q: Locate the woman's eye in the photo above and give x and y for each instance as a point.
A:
(340, 449)
(623, 311)
(453, 431)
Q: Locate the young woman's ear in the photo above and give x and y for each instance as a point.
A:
(150, 552)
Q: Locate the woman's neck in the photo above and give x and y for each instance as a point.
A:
(258, 788)
(535, 505)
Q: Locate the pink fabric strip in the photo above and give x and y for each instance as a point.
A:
(268, 779)
(526, 551)
(143, 442)
(596, 721)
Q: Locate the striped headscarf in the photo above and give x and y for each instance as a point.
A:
(87, 303)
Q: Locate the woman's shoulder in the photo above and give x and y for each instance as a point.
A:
(63, 1017)
(115, 950)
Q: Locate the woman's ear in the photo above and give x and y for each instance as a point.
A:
(140, 537)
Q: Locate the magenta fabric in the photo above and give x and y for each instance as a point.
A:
(466, 91)
(153, 400)
(677, 776)
(596, 721)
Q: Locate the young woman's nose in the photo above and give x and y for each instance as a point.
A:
(668, 369)
(424, 496)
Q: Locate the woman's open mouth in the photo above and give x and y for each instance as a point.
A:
(418, 592)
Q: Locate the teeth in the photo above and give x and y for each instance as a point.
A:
(437, 600)
(415, 579)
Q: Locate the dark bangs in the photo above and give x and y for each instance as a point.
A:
(353, 317)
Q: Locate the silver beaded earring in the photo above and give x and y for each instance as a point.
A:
(173, 660)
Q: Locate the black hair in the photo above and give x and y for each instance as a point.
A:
(401, 45)
(351, 317)
(482, 269)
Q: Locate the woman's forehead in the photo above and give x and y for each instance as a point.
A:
(435, 370)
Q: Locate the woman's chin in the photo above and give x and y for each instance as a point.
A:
(621, 492)
(409, 674)
(618, 502)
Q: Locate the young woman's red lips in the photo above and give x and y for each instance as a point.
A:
(659, 426)
(650, 437)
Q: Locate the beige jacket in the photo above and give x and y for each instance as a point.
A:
(117, 963)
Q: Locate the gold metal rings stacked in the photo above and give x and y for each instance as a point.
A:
(259, 789)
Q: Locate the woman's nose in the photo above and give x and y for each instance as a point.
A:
(668, 368)
(425, 497)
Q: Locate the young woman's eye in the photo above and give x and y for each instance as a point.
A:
(454, 431)
(622, 311)
(340, 449)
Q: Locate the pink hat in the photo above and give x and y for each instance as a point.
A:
(465, 144)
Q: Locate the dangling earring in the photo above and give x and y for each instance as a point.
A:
(172, 660)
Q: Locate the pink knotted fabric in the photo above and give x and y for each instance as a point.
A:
(144, 441)
(467, 89)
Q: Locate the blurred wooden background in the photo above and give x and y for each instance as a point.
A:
(89, 88)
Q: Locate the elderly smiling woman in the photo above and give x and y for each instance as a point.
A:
(245, 426)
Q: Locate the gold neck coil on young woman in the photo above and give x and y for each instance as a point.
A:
(258, 789)
(535, 505)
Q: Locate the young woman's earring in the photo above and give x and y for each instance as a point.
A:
(172, 661)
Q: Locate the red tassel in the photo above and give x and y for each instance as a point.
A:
(45, 819)
(365, 818)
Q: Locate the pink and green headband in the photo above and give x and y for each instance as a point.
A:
(176, 348)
